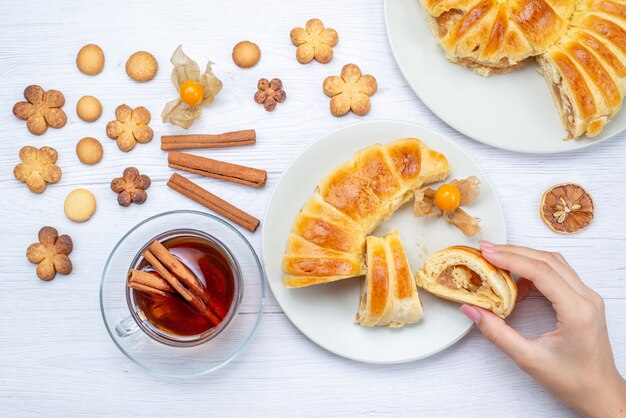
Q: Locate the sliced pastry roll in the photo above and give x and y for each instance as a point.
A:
(327, 240)
(494, 36)
(388, 292)
(586, 69)
(462, 275)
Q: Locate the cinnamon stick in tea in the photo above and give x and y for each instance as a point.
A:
(196, 193)
(217, 169)
(227, 139)
(188, 279)
(177, 268)
(148, 282)
(147, 289)
(186, 294)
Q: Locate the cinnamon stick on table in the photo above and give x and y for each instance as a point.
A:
(217, 169)
(227, 139)
(196, 193)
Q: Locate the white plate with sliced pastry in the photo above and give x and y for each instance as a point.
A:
(516, 110)
(318, 219)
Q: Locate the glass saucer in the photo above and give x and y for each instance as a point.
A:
(168, 360)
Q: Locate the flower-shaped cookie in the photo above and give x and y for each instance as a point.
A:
(131, 187)
(446, 201)
(194, 90)
(42, 109)
(130, 127)
(37, 168)
(269, 93)
(314, 41)
(51, 253)
(351, 91)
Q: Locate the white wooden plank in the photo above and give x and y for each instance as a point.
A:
(55, 355)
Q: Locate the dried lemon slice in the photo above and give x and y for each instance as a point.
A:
(566, 208)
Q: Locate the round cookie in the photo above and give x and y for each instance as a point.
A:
(246, 54)
(88, 108)
(80, 205)
(141, 66)
(90, 59)
(89, 150)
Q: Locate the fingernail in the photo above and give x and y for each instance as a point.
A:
(487, 246)
(471, 313)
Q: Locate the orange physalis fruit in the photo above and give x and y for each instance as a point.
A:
(448, 197)
(191, 92)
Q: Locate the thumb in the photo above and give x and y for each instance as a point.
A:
(511, 342)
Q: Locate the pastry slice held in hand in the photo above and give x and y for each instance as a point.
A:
(462, 275)
(388, 292)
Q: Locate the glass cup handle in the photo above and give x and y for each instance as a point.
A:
(126, 327)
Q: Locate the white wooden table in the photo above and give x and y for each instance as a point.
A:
(55, 355)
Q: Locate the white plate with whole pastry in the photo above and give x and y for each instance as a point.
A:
(519, 75)
(352, 221)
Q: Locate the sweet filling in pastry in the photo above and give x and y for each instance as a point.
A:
(461, 274)
(564, 104)
(460, 277)
(502, 66)
(447, 20)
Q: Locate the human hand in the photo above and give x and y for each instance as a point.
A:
(574, 362)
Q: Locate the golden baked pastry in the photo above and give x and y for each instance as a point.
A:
(141, 66)
(327, 240)
(491, 36)
(462, 275)
(388, 292)
(580, 46)
(586, 69)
